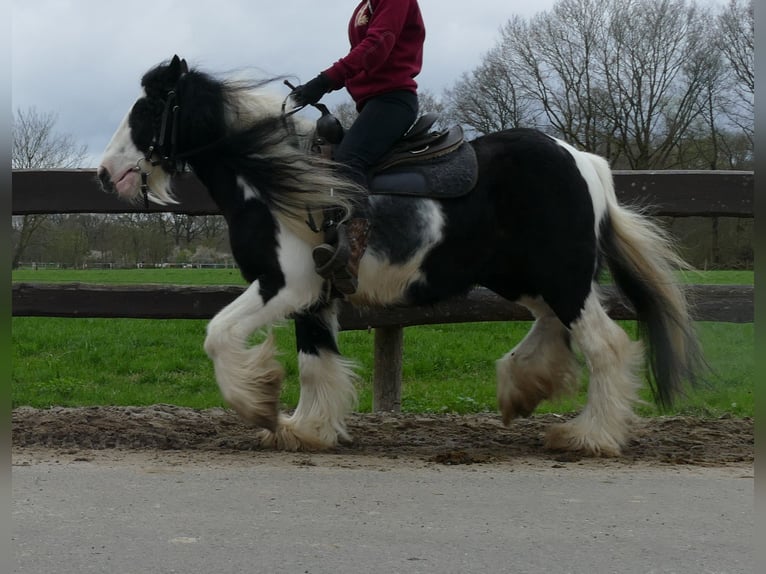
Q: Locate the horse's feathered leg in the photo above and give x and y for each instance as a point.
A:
(614, 363)
(250, 378)
(542, 366)
(327, 386)
(642, 262)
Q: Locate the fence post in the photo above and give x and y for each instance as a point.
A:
(387, 377)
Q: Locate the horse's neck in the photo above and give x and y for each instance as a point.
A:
(232, 195)
(225, 185)
(222, 184)
(249, 107)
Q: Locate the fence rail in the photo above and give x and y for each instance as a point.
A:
(722, 303)
(663, 193)
(672, 193)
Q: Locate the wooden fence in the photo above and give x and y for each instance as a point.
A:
(669, 193)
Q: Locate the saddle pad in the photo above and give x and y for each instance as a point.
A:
(450, 175)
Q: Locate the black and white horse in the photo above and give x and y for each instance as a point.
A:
(536, 228)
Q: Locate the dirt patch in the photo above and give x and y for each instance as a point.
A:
(443, 439)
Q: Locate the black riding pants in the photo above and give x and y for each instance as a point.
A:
(381, 122)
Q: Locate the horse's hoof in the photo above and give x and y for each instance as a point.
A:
(519, 407)
(568, 437)
(345, 440)
(273, 439)
(264, 416)
(266, 422)
(285, 437)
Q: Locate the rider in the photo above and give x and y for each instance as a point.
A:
(386, 54)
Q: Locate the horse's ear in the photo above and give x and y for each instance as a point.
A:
(178, 66)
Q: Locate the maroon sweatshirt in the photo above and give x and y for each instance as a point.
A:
(386, 54)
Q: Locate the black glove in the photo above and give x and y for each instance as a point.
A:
(312, 91)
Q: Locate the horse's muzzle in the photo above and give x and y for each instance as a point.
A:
(105, 179)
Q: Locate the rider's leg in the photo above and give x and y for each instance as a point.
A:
(381, 122)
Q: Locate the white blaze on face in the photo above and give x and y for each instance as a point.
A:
(123, 162)
(120, 159)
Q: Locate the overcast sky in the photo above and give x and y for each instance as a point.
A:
(83, 59)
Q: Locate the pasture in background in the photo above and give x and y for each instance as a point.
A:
(447, 368)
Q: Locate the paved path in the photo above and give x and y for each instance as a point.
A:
(147, 513)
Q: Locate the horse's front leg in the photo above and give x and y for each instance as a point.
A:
(250, 378)
(327, 380)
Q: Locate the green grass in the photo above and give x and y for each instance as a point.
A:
(447, 368)
(232, 276)
(723, 277)
(131, 276)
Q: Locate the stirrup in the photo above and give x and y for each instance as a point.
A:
(344, 281)
(328, 259)
(340, 264)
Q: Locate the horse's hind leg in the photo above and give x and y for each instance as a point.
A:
(327, 387)
(613, 362)
(541, 366)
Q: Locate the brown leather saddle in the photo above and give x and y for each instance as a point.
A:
(420, 143)
(424, 163)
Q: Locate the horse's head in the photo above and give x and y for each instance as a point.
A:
(185, 115)
(147, 148)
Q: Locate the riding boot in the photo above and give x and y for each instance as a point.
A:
(340, 263)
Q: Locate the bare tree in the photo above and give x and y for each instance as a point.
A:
(183, 228)
(487, 99)
(427, 102)
(630, 79)
(345, 112)
(737, 43)
(722, 137)
(556, 60)
(36, 145)
(660, 86)
(24, 229)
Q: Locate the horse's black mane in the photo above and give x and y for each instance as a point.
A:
(264, 146)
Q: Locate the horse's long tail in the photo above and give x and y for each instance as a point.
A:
(643, 264)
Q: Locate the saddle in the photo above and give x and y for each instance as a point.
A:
(426, 163)
(420, 143)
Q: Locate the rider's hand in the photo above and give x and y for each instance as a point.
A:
(312, 91)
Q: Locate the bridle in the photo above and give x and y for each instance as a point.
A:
(163, 149)
(164, 144)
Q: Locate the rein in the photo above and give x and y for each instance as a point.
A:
(332, 216)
